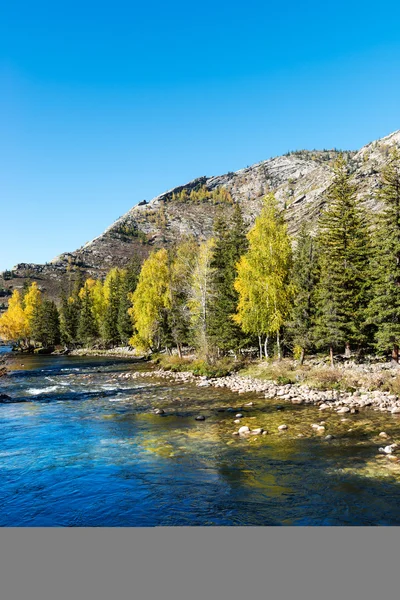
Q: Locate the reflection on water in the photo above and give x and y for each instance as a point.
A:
(80, 447)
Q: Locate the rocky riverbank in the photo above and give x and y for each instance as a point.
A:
(122, 352)
(326, 400)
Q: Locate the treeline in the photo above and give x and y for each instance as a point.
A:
(338, 290)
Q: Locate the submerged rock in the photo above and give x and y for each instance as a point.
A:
(329, 437)
(282, 427)
(159, 411)
(200, 418)
(257, 431)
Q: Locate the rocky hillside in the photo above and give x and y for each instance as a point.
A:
(298, 179)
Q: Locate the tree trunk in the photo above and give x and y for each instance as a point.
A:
(260, 346)
(302, 356)
(331, 355)
(266, 347)
(278, 343)
(347, 352)
(178, 347)
(395, 353)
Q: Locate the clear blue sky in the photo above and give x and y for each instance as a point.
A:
(103, 104)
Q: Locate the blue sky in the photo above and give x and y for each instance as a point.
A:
(105, 104)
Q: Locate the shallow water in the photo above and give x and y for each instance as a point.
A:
(80, 447)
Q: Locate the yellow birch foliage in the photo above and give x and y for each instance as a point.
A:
(265, 293)
(14, 325)
(149, 300)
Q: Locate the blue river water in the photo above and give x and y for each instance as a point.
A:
(81, 446)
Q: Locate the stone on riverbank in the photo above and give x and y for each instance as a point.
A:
(244, 429)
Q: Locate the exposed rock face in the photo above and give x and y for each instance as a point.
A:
(299, 181)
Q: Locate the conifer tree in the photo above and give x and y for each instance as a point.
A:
(343, 242)
(70, 311)
(69, 319)
(305, 279)
(230, 243)
(265, 292)
(384, 308)
(112, 289)
(87, 331)
(45, 327)
(181, 264)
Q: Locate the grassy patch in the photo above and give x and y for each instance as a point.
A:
(218, 368)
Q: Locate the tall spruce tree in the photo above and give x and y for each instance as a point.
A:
(182, 259)
(87, 331)
(230, 243)
(343, 243)
(112, 291)
(305, 278)
(45, 327)
(384, 308)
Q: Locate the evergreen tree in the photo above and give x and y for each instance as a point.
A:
(112, 290)
(384, 308)
(305, 279)
(343, 243)
(230, 243)
(87, 331)
(265, 292)
(45, 328)
(181, 264)
(69, 319)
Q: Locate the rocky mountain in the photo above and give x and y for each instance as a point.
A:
(299, 180)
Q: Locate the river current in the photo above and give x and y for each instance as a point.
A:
(81, 447)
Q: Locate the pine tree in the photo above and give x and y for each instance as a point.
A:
(384, 308)
(305, 279)
(230, 243)
(265, 292)
(70, 310)
(112, 289)
(45, 328)
(181, 264)
(69, 319)
(87, 331)
(343, 242)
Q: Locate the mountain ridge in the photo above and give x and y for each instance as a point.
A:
(299, 180)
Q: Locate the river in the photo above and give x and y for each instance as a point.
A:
(80, 447)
